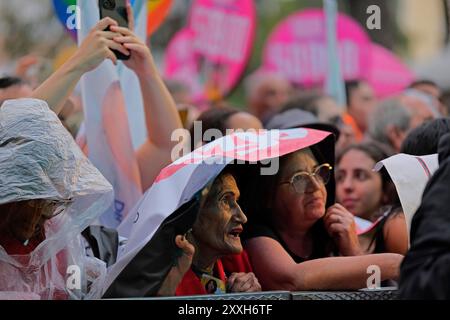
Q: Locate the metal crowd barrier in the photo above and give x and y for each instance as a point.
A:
(264, 295)
(388, 293)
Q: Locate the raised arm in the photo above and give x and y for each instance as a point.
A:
(94, 49)
(177, 272)
(276, 270)
(161, 115)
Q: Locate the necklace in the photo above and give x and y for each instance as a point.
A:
(199, 272)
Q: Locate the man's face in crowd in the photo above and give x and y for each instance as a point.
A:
(420, 112)
(429, 89)
(435, 93)
(272, 94)
(362, 101)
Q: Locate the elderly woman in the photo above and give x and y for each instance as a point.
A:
(211, 249)
(296, 232)
(49, 193)
(215, 234)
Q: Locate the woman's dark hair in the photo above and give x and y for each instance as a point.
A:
(424, 139)
(351, 85)
(7, 82)
(215, 118)
(377, 152)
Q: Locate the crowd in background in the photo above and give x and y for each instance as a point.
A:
(296, 230)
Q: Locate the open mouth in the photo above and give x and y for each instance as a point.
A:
(235, 232)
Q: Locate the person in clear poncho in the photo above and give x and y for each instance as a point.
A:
(49, 193)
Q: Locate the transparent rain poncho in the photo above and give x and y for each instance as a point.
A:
(40, 160)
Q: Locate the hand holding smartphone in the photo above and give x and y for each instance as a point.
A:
(117, 10)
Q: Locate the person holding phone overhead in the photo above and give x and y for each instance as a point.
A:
(99, 45)
(118, 11)
(29, 240)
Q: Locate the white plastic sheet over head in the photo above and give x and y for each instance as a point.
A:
(40, 160)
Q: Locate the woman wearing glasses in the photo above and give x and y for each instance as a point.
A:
(22, 224)
(297, 237)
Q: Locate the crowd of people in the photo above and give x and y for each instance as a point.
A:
(299, 229)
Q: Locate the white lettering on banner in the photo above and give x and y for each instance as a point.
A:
(307, 28)
(349, 55)
(299, 62)
(220, 34)
(182, 50)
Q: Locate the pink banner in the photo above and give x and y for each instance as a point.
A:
(297, 48)
(216, 46)
(388, 74)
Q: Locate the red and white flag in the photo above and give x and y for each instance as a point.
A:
(410, 175)
(179, 182)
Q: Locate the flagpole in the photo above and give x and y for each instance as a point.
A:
(334, 82)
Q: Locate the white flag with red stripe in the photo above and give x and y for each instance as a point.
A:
(181, 180)
(410, 175)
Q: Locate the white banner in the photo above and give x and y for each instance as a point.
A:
(107, 130)
(410, 175)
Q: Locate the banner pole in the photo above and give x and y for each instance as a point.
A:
(334, 81)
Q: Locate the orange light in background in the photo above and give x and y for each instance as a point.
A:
(157, 12)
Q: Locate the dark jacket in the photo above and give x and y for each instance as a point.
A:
(425, 271)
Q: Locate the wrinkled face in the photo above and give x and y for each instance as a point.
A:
(362, 101)
(304, 208)
(220, 221)
(358, 187)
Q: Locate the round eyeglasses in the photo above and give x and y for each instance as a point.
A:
(300, 180)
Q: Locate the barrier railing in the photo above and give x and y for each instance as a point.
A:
(388, 293)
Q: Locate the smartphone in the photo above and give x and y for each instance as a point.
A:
(117, 10)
